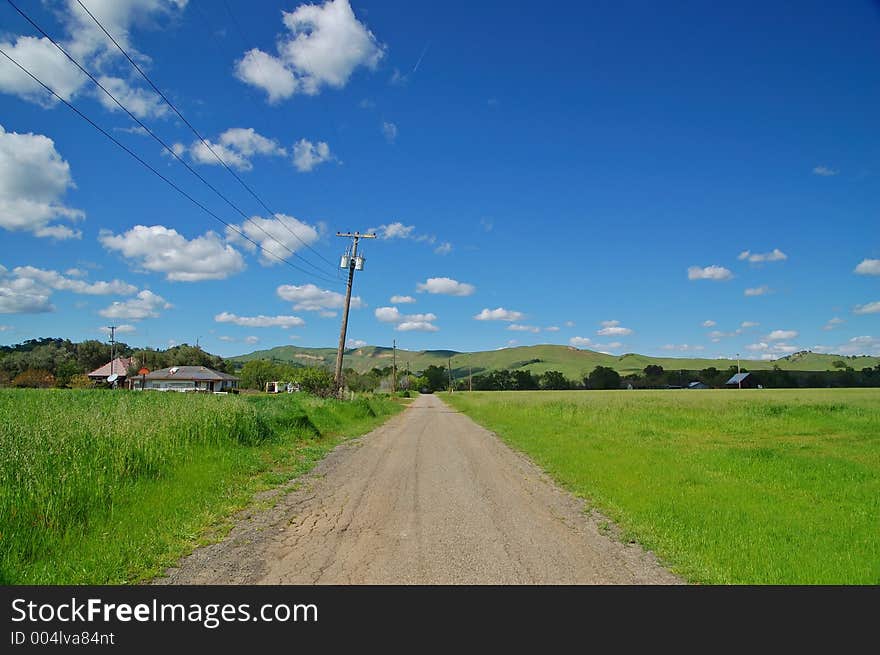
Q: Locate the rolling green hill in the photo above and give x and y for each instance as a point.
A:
(573, 363)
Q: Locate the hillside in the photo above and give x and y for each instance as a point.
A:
(573, 363)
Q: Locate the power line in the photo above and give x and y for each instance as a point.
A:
(160, 141)
(196, 132)
(147, 165)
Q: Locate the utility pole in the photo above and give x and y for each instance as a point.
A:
(451, 380)
(738, 373)
(394, 370)
(352, 262)
(112, 329)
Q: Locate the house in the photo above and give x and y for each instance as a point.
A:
(744, 380)
(117, 367)
(190, 378)
(696, 384)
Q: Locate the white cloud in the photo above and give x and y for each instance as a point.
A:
(515, 327)
(355, 343)
(389, 131)
(325, 45)
(33, 180)
(552, 328)
(260, 321)
(861, 345)
(499, 314)
(160, 249)
(140, 102)
(236, 146)
(713, 272)
(251, 340)
(833, 323)
(307, 155)
(54, 280)
(682, 347)
(708, 324)
(782, 335)
(758, 291)
(613, 329)
(310, 298)
(277, 237)
(569, 324)
(396, 230)
(402, 300)
(22, 295)
(868, 308)
(868, 267)
(406, 322)
(444, 248)
(47, 63)
(745, 325)
(445, 286)
(772, 350)
(824, 171)
(145, 305)
(776, 255)
(581, 342)
(120, 329)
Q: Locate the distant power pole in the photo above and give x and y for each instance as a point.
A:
(112, 329)
(394, 369)
(451, 380)
(352, 262)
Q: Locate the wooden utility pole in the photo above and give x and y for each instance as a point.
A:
(352, 262)
(112, 329)
(451, 380)
(394, 369)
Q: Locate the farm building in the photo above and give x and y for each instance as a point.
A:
(118, 367)
(696, 384)
(189, 378)
(744, 380)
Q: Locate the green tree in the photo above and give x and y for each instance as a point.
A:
(438, 377)
(603, 377)
(556, 380)
(256, 373)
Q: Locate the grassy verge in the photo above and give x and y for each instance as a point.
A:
(747, 487)
(102, 488)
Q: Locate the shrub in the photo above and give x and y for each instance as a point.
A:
(34, 379)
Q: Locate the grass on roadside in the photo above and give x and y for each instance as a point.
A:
(102, 487)
(747, 487)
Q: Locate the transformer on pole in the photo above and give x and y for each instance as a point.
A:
(353, 262)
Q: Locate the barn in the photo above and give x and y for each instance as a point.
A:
(118, 367)
(191, 378)
(742, 380)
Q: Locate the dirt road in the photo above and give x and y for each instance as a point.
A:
(428, 498)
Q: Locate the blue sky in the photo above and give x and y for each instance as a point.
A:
(688, 179)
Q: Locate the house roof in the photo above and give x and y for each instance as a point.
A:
(739, 377)
(199, 373)
(120, 366)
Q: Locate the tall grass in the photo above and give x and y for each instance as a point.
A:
(101, 470)
(726, 486)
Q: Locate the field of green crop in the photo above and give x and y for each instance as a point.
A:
(111, 487)
(744, 487)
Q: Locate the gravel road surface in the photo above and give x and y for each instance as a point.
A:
(428, 498)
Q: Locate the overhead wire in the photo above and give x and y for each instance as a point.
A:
(198, 135)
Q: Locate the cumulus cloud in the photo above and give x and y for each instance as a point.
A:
(260, 321)
(33, 181)
(235, 147)
(324, 46)
(47, 63)
(310, 298)
(389, 131)
(515, 327)
(613, 329)
(745, 325)
(140, 102)
(56, 281)
(824, 171)
(355, 343)
(552, 328)
(776, 255)
(406, 322)
(763, 290)
(402, 300)
(22, 295)
(708, 324)
(443, 249)
(868, 267)
(125, 328)
(499, 314)
(145, 305)
(160, 249)
(396, 230)
(307, 155)
(581, 342)
(833, 323)
(276, 237)
(682, 347)
(712, 272)
(27, 289)
(782, 335)
(446, 286)
(868, 308)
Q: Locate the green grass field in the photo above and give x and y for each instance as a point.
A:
(111, 487)
(744, 487)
